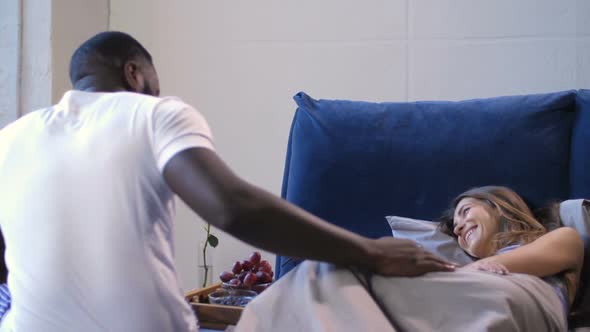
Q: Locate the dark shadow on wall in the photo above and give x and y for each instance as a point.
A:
(3, 269)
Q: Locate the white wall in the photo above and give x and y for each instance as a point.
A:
(462, 49)
(37, 38)
(9, 60)
(583, 44)
(241, 62)
(35, 55)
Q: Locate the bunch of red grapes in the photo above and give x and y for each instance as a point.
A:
(249, 272)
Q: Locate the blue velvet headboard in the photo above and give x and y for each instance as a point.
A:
(352, 163)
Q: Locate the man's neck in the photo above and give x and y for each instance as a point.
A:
(94, 84)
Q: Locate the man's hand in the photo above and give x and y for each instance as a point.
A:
(483, 265)
(399, 257)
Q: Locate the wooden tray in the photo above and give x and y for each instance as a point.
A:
(212, 316)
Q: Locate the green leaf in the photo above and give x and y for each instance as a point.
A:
(213, 240)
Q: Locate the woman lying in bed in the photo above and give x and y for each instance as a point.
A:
(494, 225)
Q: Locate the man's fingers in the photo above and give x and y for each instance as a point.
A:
(422, 267)
(438, 259)
(433, 264)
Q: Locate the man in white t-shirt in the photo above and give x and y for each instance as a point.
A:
(86, 203)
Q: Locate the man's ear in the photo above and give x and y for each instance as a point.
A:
(133, 76)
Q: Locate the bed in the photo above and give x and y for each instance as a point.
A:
(354, 162)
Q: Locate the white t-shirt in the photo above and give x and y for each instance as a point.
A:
(87, 215)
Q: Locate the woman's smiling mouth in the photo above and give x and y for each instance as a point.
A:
(468, 235)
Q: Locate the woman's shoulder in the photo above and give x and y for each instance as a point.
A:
(565, 233)
(562, 241)
(569, 242)
(566, 237)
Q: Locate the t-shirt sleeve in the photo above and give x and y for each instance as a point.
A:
(177, 127)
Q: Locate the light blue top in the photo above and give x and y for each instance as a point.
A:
(556, 281)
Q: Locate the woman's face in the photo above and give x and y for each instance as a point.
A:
(475, 223)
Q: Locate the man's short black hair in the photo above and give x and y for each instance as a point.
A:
(105, 53)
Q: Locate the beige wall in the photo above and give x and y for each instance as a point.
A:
(74, 21)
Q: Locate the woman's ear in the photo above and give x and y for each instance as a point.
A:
(445, 222)
(133, 76)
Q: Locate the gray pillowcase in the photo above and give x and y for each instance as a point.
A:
(576, 214)
(430, 237)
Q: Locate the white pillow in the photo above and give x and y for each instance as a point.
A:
(575, 213)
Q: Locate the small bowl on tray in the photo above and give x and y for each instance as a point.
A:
(258, 288)
(234, 297)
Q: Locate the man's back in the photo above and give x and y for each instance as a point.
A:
(86, 215)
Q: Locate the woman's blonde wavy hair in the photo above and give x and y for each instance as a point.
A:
(518, 224)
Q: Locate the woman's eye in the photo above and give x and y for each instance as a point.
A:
(466, 210)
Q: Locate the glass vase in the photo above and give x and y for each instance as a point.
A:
(205, 265)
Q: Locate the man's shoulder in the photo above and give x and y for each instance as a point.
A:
(158, 103)
(172, 102)
(24, 120)
(21, 128)
(133, 97)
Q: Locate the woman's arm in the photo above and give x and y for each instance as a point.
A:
(557, 251)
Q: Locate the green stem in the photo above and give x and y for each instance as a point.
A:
(205, 256)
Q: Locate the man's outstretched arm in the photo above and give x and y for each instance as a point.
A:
(205, 183)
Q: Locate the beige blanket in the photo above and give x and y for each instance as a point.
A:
(319, 297)
(314, 297)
